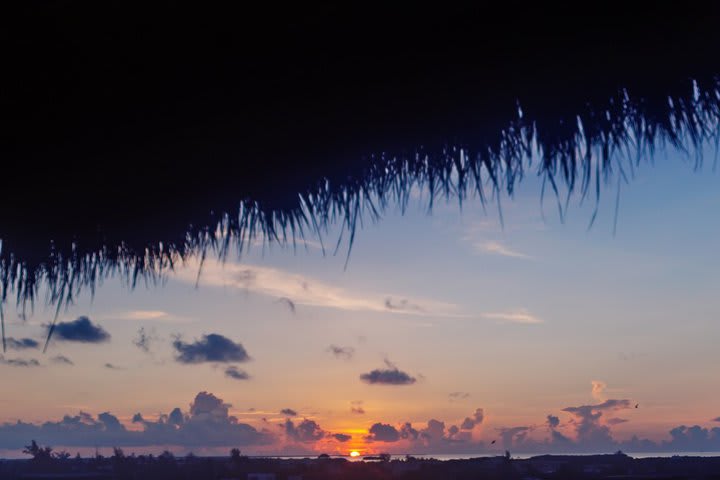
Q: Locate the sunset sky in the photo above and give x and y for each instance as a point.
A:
(555, 331)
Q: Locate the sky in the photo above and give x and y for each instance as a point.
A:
(447, 332)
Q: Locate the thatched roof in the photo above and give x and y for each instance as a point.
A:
(130, 134)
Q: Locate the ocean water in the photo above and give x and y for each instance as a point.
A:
(465, 456)
(17, 454)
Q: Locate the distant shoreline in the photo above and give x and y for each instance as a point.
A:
(438, 457)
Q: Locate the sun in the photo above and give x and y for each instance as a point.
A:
(354, 453)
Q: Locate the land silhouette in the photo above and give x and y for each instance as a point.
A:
(46, 464)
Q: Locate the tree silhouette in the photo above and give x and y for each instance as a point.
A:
(39, 454)
(235, 455)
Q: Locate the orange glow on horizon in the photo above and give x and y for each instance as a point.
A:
(354, 453)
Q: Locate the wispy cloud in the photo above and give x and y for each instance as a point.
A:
(304, 290)
(146, 316)
(519, 315)
(497, 248)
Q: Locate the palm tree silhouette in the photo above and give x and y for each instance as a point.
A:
(136, 142)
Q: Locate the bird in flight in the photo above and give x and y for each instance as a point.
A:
(492, 443)
(637, 405)
(290, 304)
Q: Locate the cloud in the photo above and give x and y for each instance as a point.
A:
(308, 291)
(62, 360)
(383, 432)
(346, 353)
(207, 424)
(110, 366)
(434, 433)
(356, 407)
(520, 315)
(598, 389)
(235, 373)
(19, 362)
(341, 437)
(455, 396)
(588, 421)
(210, 348)
(402, 305)
(470, 422)
(289, 412)
(514, 436)
(497, 248)
(143, 340)
(80, 330)
(387, 376)
(694, 439)
(552, 421)
(147, 316)
(616, 421)
(716, 419)
(304, 432)
(408, 432)
(21, 344)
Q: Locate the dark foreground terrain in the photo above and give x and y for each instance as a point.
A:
(166, 466)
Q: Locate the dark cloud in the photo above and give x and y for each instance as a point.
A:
(435, 437)
(341, 437)
(402, 305)
(19, 362)
(62, 360)
(553, 421)
(289, 412)
(588, 425)
(408, 432)
(455, 396)
(210, 348)
(694, 439)
(176, 417)
(207, 424)
(80, 330)
(513, 436)
(716, 419)
(110, 422)
(21, 344)
(143, 339)
(383, 432)
(388, 376)
(346, 353)
(434, 432)
(467, 424)
(476, 419)
(235, 373)
(305, 431)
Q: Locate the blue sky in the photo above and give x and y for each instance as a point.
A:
(518, 319)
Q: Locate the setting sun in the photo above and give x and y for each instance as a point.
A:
(354, 454)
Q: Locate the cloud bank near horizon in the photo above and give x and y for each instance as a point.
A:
(209, 424)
